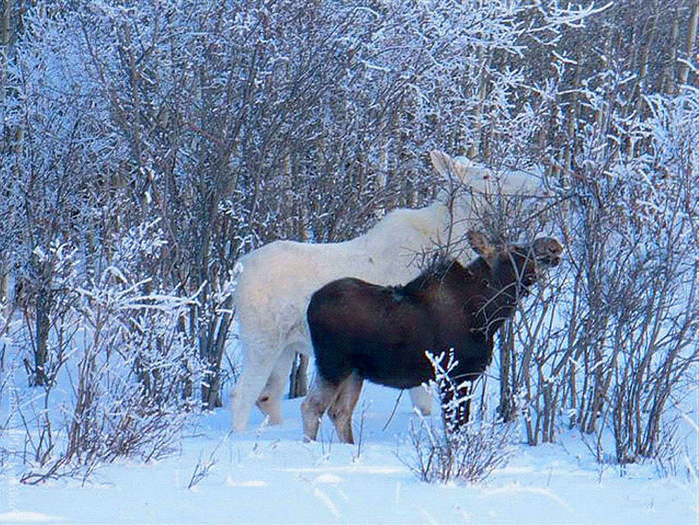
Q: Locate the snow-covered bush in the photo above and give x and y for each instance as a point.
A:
(614, 346)
(469, 452)
(129, 367)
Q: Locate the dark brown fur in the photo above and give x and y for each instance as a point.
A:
(365, 331)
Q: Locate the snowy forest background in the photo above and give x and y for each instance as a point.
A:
(147, 145)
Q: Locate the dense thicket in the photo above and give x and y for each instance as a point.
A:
(146, 145)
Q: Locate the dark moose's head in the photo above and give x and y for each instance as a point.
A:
(519, 264)
(508, 273)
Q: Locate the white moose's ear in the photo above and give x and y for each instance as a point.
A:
(443, 163)
(459, 169)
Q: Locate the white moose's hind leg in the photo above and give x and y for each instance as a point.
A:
(258, 367)
(270, 399)
(319, 397)
(421, 399)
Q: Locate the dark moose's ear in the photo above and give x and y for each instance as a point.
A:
(480, 244)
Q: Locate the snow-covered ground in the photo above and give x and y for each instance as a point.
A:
(267, 475)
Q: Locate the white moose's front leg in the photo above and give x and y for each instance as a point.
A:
(421, 398)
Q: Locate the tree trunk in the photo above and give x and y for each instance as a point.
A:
(42, 337)
(667, 82)
(298, 385)
(5, 43)
(507, 407)
(211, 387)
(691, 40)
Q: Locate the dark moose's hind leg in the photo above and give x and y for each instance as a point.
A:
(319, 397)
(342, 407)
(341, 399)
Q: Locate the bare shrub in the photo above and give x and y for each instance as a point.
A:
(204, 467)
(130, 370)
(201, 471)
(466, 453)
(616, 342)
(470, 454)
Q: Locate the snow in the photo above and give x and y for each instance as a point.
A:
(15, 516)
(268, 475)
(382, 94)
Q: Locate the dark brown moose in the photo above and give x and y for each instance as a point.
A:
(365, 331)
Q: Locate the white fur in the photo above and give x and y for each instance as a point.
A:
(278, 279)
